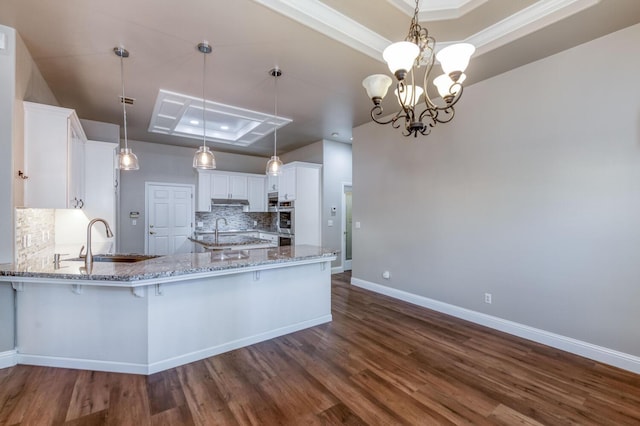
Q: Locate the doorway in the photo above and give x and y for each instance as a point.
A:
(169, 218)
(347, 229)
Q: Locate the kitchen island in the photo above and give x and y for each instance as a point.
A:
(160, 313)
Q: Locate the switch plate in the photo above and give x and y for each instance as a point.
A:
(357, 225)
(330, 222)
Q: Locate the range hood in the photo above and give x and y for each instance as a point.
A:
(228, 202)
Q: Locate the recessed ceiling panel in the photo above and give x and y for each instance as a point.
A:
(181, 115)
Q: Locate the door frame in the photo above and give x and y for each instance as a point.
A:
(343, 243)
(147, 185)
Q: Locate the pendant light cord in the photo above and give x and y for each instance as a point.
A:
(124, 103)
(204, 102)
(275, 132)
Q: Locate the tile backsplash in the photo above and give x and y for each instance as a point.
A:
(35, 236)
(236, 219)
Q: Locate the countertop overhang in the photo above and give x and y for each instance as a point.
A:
(172, 268)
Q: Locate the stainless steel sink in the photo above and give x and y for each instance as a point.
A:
(229, 254)
(118, 258)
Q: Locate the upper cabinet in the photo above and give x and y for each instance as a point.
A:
(230, 185)
(287, 184)
(256, 193)
(54, 145)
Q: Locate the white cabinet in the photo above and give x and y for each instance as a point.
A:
(287, 184)
(101, 186)
(256, 193)
(231, 185)
(54, 144)
(203, 197)
(305, 178)
(272, 183)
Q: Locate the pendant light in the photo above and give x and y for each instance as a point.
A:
(127, 160)
(204, 159)
(274, 165)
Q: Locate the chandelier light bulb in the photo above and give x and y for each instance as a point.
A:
(446, 86)
(406, 97)
(455, 58)
(400, 57)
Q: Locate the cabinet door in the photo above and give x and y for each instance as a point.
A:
(220, 186)
(272, 183)
(256, 194)
(50, 148)
(77, 165)
(287, 189)
(203, 197)
(238, 189)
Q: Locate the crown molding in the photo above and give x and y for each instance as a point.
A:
(328, 21)
(320, 17)
(438, 10)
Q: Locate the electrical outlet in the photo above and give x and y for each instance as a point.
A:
(330, 222)
(487, 298)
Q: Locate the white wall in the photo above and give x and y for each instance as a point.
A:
(166, 164)
(532, 194)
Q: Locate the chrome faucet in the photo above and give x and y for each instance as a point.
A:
(88, 258)
(217, 231)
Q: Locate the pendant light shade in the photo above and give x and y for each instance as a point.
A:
(127, 160)
(274, 165)
(204, 158)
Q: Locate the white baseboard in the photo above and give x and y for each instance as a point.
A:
(146, 369)
(82, 364)
(216, 350)
(568, 344)
(8, 359)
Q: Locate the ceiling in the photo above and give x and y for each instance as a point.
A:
(325, 48)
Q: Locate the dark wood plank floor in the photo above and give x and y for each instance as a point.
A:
(380, 362)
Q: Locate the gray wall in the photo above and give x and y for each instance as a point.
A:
(166, 164)
(7, 79)
(312, 153)
(20, 80)
(335, 171)
(532, 193)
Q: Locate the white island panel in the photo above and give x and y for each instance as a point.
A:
(164, 325)
(214, 315)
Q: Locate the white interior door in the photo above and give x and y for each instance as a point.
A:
(346, 227)
(169, 218)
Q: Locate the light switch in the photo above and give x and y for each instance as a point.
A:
(330, 222)
(357, 225)
(134, 222)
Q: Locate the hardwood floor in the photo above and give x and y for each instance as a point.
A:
(380, 362)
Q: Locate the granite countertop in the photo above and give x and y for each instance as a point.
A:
(208, 240)
(167, 267)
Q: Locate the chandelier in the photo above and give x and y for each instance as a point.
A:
(404, 59)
